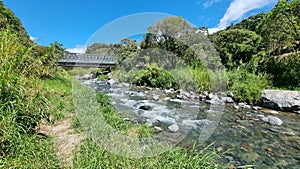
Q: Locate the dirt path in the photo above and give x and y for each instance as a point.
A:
(64, 137)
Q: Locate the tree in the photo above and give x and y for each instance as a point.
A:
(280, 28)
(237, 46)
(181, 40)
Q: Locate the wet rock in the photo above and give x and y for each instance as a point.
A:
(158, 129)
(256, 108)
(190, 123)
(247, 107)
(227, 99)
(272, 120)
(298, 112)
(242, 105)
(145, 107)
(215, 100)
(166, 99)
(177, 100)
(236, 106)
(169, 91)
(239, 127)
(209, 96)
(284, 100)
(179, 96)
(111, 81)
(269, 111)
(126, 119)
(249, 157)
(155, 97)
(87, 77)
(173, 128)
(289, 133)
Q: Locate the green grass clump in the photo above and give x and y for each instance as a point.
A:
(30, 151)
(154, 76)
(91, 155)
(246, 86)
(29, 92)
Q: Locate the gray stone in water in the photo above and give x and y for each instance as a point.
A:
(111, 81)
(227, 99)
(242, 104)
(166, 99)
(87, 77)
(173, 128)
(272, 120)
(158, 129)
(170, 91)
(247, 107)
(236, 106)
(155, 97)
(209, 96)
(215, 100)
(256, 108)
(283, 100)
(145, 107)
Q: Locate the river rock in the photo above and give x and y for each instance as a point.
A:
(173, 128)
(215, 100)
(145, 107)
(169, 91)
(272, 120)
(209, 96)
(284, 100)
(111, 81)
(158, 129)
(87, 76)
(155, 97)
(227, 99)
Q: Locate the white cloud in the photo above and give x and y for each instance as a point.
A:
(213, 30)
(209, 3)
(238, 8)
(77, 49)
(34, 39)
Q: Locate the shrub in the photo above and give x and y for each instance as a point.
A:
(284, 70)
(154, 76)
(246, 86)
(184, 77)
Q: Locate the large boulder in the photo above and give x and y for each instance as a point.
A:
(283, 100)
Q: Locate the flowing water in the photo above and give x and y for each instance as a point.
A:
(245, 139)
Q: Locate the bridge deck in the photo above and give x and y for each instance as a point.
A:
(86, 60)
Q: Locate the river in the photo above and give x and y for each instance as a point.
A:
(240, 133)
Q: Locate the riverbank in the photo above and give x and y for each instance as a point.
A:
(256, 136)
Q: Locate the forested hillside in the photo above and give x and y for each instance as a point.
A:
(271, 39)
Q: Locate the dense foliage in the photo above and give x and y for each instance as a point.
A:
(153, 76)
(24, 100)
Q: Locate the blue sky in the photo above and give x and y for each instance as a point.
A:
(73, 22)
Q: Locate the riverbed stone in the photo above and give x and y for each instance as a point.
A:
(215, 100)
(272, 120)
(155, 97)
(145, 107)
(284, 100)
(158, 129)
(250, 157)
(111, 81)
(87, 76)
(227, 99)
(173, 128)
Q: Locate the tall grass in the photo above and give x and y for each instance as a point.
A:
(93, 155)
(23, 103)
(247, 86)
